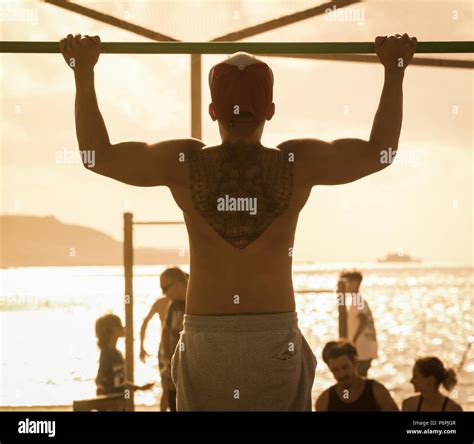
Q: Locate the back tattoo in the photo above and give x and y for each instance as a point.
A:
(240, 190)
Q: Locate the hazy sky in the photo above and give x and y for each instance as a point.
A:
(422, 204)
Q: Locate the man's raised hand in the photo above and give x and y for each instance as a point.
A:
(395, 51)
(80, 52)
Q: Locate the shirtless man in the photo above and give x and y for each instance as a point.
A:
(240, 348)
(174, 283)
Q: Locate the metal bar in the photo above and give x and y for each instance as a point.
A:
(128, 274)
(196, 118)
(158, 223)
(284, 20)
(342, 321)
(114, 21)
(231, 47)
(314, 290)
(363, 58)
(196, 95)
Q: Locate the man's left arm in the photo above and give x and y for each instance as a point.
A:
(346, 160)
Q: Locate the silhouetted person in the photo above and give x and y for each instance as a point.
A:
(360, 323)
(160, 307)
(173, 283)
(242, 348)
(428, 374)
(111, 374)
(351, 393)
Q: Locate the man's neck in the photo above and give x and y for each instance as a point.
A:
(238, 149)
(241, 144)
(356, 383)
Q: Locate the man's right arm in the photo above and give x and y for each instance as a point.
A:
(133, 163)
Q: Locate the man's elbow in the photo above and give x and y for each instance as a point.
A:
(385, 156)
(96, 160)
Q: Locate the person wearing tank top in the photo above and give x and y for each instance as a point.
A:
(429, 373)
(351, 393)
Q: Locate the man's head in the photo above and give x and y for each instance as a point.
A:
(174, 283)
(242, 97)
(341, 358)
(352, 280)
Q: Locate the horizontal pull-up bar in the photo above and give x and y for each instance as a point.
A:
(158, 223)
(231, 47)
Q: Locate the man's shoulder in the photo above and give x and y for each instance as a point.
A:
(309, 156)
(301, 144)
(190, 144)
(377, 386)
(172, 145)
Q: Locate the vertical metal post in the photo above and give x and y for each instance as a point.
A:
(196, 96)
(342, 321)
(341, 308)
(128, 273)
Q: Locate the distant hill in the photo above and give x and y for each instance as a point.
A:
(46, 241)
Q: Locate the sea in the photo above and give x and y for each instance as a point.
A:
(49, 355)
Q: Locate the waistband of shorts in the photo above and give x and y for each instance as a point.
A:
(240, 323)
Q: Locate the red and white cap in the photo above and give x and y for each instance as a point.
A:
(241, 83)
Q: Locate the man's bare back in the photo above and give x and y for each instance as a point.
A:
(239, 264)
(249, 272)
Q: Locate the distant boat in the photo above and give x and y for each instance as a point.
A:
(394, 257)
